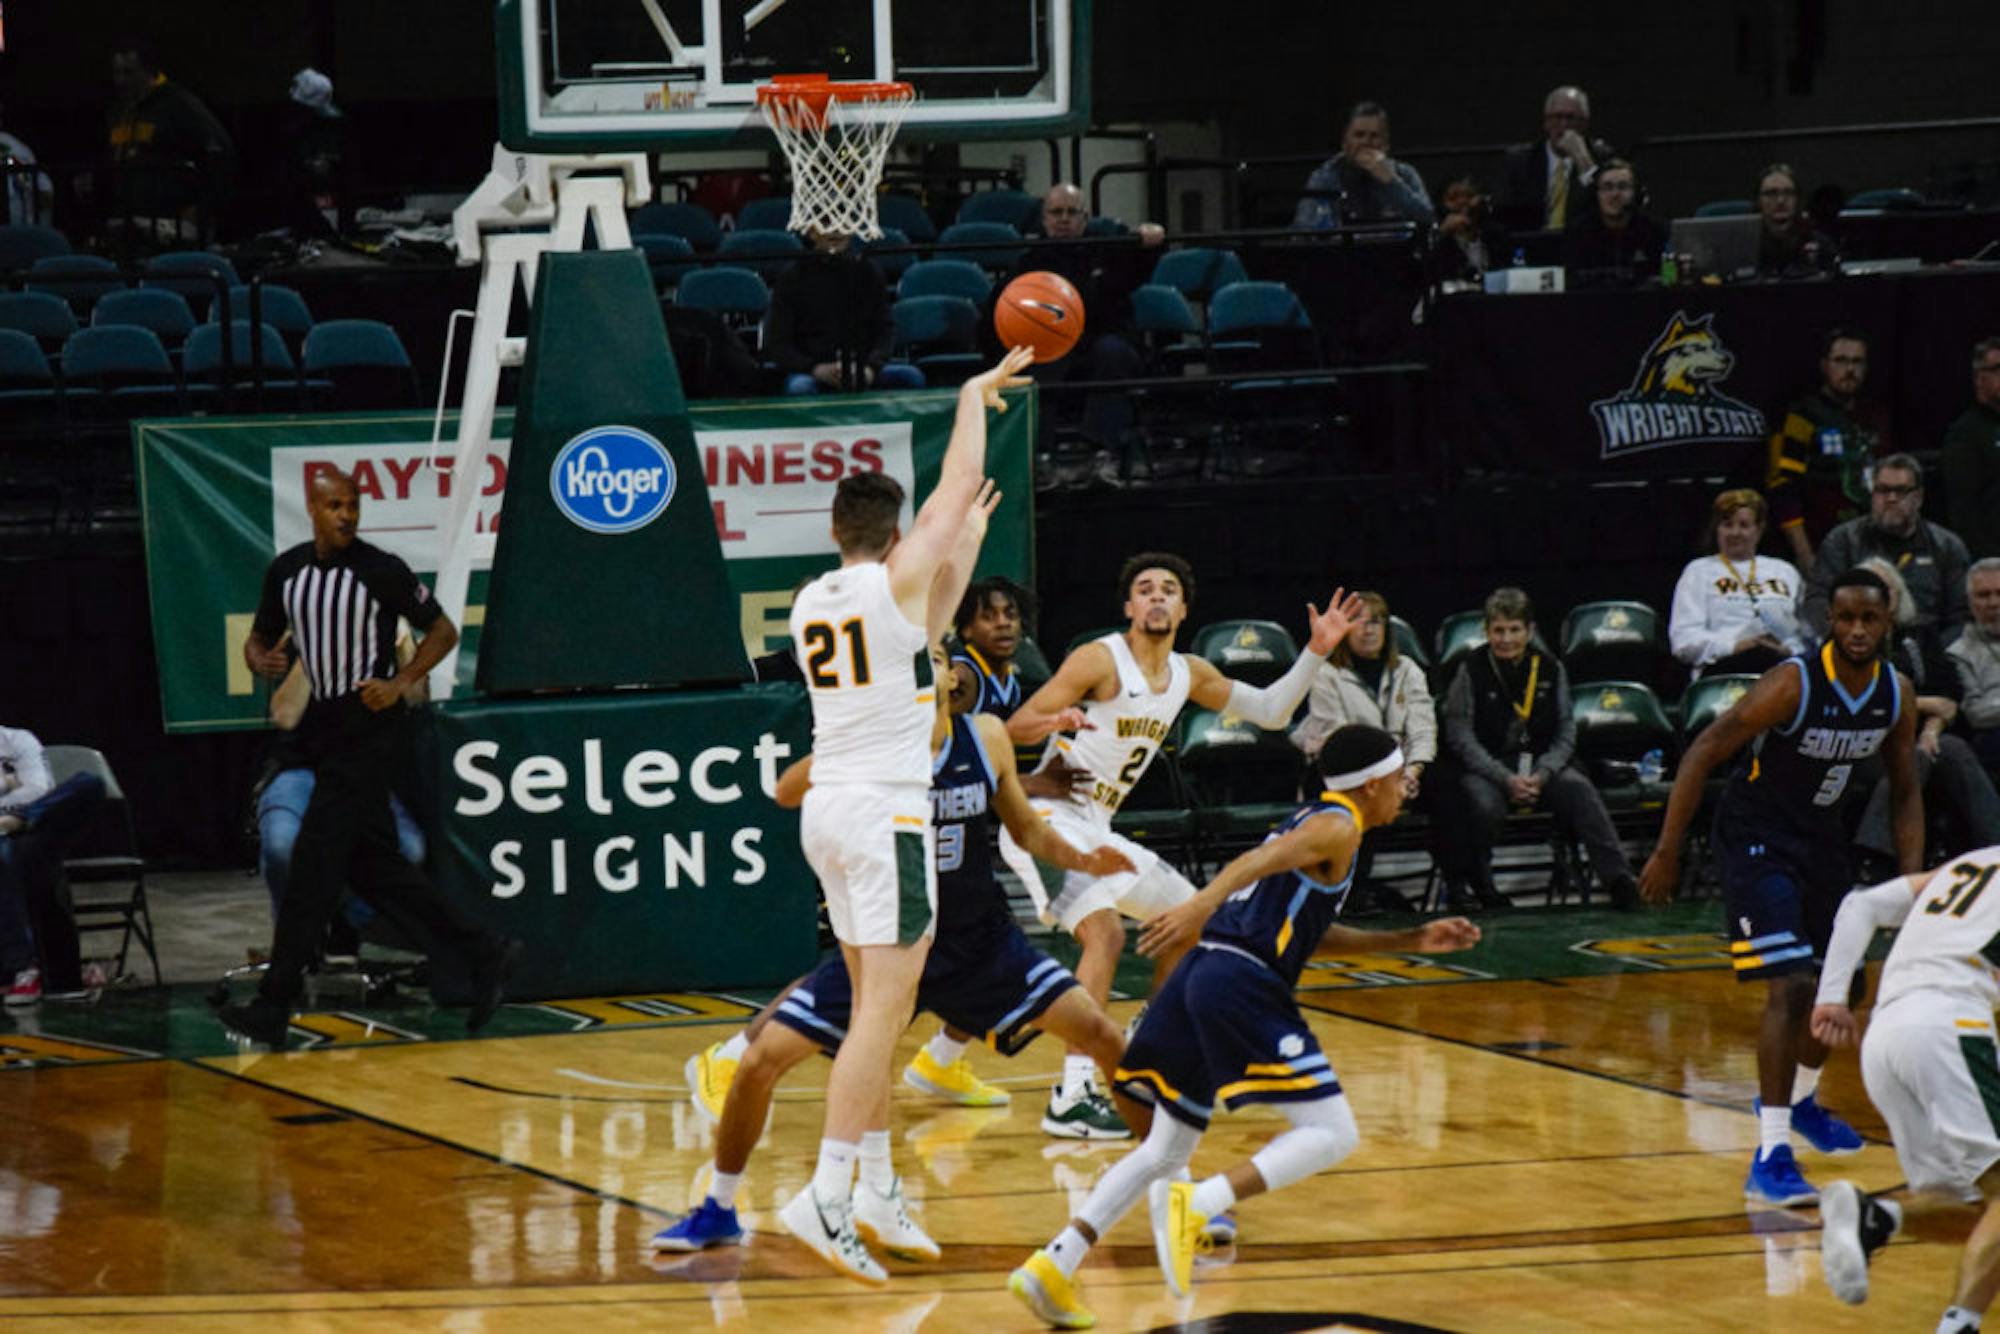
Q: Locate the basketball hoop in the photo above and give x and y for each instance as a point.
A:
(836, 136)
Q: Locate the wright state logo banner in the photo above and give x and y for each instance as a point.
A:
(1675, 397)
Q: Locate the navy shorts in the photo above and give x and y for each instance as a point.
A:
(998, 990)
(1223, 1027)
(1781, 890)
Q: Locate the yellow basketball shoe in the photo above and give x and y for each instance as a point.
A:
(1177, 1231)
(709, 1074)
(954, 1083)
(1049, 1293)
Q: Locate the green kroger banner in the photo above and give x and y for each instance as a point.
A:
(629, 838)
(221, 496)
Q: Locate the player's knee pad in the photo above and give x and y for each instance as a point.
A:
(1323, 1132)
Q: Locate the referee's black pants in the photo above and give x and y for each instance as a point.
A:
(347, 839)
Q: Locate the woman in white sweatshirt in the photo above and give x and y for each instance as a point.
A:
(1736, 611)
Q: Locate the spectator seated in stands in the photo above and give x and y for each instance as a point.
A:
(1976, 656)
(39, 817)
(1365, 680)
(1613, 244)
(1821, 453)
(1736, 611)
(1971, 457)
(171, 164)
(1947, 768)
(1362, 183)
(1930, 558)
(1104, 272)
(1791, 246)
(1542, 184)
(1510, 734)
(829, 329)
(30, 195)
(991, 618)
(1467, 242)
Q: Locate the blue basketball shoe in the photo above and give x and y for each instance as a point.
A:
(709, 1225)
(1823, 1130)
(1775, 1179)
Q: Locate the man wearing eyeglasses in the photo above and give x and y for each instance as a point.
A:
(1929, 556)
(1820, 454)
(1972, 457)
(1791, 247)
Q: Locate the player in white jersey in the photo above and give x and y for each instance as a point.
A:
(1930, 1064)
(1117, 697)
(861, 634)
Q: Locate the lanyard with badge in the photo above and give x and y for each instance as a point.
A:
(1517, 730)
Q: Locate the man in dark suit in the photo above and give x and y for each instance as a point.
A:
(1545, 183)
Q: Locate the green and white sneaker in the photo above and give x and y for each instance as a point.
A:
(1087, 1115)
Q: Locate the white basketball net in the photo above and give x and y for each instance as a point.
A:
(836, 156)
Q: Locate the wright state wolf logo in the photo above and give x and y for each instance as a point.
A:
(1675, 398)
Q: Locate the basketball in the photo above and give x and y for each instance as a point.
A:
(1040, 311)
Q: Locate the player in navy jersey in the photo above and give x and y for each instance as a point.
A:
(1226, 1028)
(990, 622)
(981, 975)
(1781, 847)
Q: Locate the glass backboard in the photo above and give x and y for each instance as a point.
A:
(601, 75)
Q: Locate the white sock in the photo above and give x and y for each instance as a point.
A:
(1077, 1074)
(1774, 1129)
(733, 1049)
(723, 1189)
(1958, 1320)
(1805, 1083)
(944, 1048)
(877, 1172)
(1068, 1250)
(1213, 1196)
(833, 1179)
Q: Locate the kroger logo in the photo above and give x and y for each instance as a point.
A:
(614, 479)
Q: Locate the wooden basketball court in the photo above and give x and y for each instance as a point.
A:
(1540, 1153)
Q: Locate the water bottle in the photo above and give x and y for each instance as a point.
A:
(1652, 766)
(1670, 269)
(1520, 257)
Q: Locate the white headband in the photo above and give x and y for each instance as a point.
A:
(1388, 764)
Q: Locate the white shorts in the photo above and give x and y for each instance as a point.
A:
(1065, 898)
(870, 844)
(1932, 1070)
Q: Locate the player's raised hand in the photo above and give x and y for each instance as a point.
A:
(1834, 1025)
(1447, 934)
(982, 508)
(1660, 876)
(1329, 627)
(987, 385)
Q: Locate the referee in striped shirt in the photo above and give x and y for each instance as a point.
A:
(342, 597)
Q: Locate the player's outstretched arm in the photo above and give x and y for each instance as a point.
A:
(1272, 706)
(913, 561)
(1011, 804)
(1325, 842)
(1084, 674)
(1439, 936)
(1862, 914)
(955, 575)
(1906, 799)
(1772, 702)
(793, 783)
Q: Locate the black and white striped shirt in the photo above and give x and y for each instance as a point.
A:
(342, 612)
